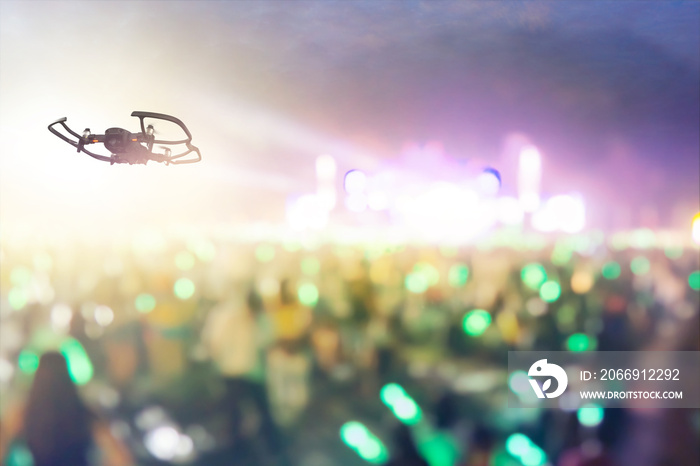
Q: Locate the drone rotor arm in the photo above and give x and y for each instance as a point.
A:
(81, 140)
(161, 116)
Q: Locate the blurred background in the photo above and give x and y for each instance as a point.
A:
(392, 196)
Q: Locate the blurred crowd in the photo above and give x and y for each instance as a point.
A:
(200, 350)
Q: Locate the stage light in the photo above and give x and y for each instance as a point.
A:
(564, 213)
(378, 200)
(696, 228)
(356, 202)
(355, 182)
(510, 211)
(489, 182)
(325, 167)
(307, 212)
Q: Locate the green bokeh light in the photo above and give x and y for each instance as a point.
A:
(694, 280)
(611, 270)
(476, 322)
(533, 276)
(400, 403)
(579, 342)
(19, 455)
(184, 260)
(458, 275)
(521, 447)
(20, 276)
(28, 361)
(310, 266)
(79, 364)
(566, 316)
(355, 435)
(184, 288)
(590, 415)
(518, 444)
(265, 253)
(518, 382)
(17, 298)
(145, 303)
(673, 252)
(561, 255)
(550, 291)
(643, 238)
(308, 294)
(534, 457)
(204, 249)
(640, 265)
(416, 283)
(427, 270)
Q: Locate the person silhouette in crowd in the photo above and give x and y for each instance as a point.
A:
(54, 424)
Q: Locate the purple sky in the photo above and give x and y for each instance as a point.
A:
(608, 91)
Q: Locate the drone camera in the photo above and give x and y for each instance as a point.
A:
(117, 140)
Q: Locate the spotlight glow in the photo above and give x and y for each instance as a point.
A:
(355, 182)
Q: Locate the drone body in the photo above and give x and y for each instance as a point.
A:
(132, 148)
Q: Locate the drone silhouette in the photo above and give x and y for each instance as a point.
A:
(131, 148)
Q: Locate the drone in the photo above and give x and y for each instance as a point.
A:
(132, 148)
